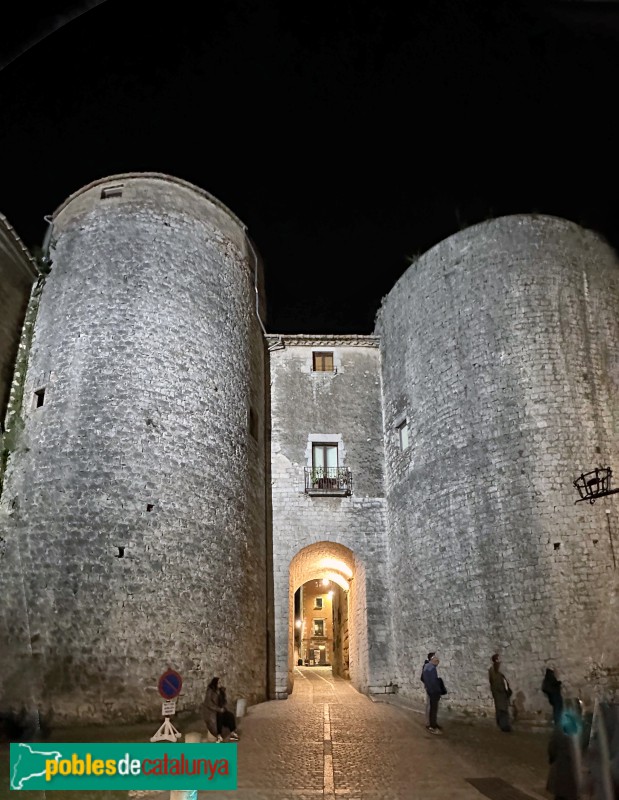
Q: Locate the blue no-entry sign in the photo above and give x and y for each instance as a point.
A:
(170, 684)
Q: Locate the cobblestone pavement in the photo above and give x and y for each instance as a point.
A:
(328, 741)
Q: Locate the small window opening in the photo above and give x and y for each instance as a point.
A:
(253, 423)
(557, 545)
(111, 191)
(318, 602)
(403, 435)
(149, 506)
(322, 362)
(121, 552)
(39, 398)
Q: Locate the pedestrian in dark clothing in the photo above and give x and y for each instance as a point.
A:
(501, 694)
(427, 661)
(432, 682)
(551, 686)
(565, 758)
(226, 721)
(211, 708)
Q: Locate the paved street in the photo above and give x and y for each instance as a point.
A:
(328, 741)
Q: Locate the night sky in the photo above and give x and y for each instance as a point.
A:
(348, 136)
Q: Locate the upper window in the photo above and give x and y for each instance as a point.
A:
(322, 361)
(325, 473)
(319, 627)
(324, 456)
(318, 602)
(403, 435)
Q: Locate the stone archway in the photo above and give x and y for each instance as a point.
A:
(338, 564)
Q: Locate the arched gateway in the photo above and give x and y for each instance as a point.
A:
(328, 622)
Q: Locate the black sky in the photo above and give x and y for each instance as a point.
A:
(348, 136)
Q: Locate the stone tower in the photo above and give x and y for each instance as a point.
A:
(176, 476)
(499, 353)
(134, 504)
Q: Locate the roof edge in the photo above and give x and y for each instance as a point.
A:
(25, 259)
(324, 340)
(161, 176)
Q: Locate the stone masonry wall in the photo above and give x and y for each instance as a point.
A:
(135, 510)
(346, 405)
(17, 276)
(500, 345)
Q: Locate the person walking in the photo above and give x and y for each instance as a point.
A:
(551, 687)
(427, 661)
(432, 682)
(501, 693)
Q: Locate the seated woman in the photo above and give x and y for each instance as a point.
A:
(226, 721)
(211, 708)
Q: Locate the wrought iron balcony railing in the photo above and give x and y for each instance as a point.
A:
(328, 480)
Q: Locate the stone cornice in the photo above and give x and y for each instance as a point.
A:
(323, 340)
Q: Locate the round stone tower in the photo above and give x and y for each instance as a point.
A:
(499, 354)
(136, 494)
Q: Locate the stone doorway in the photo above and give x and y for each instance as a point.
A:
(327, 612)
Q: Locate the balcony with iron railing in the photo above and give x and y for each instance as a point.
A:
(334, 481)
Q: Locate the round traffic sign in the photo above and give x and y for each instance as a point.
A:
(170, 684)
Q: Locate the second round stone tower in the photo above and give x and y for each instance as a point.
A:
(499, 357)
(137, 495)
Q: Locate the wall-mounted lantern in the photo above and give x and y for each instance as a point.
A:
(595, 484)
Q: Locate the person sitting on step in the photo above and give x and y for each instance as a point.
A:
(226, 721)
(211, 708)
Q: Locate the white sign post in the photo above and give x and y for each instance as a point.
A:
(167, 732)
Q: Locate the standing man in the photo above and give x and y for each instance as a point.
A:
(433, 688)
(501, 693)
(551, 686)
(427, 661)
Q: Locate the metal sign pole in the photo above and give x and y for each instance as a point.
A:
(187, 794)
